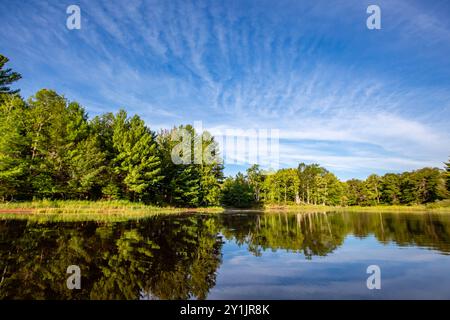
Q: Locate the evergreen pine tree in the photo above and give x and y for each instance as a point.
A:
(137, 162)
(7, 77)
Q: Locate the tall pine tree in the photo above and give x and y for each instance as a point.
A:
(7, 77)
(136, 162)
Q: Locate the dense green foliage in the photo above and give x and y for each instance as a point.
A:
(50, 149)
(238, 192)
(312, 184)
(188, 185)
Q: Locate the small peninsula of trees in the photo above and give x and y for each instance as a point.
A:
(50, 149)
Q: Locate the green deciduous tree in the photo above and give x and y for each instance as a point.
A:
(237, 192)
(66, 160)
(14, 146)
(196, 182)
(355, 192)
(211, 171)
(390, 187)
(256, 179)
(373, 185)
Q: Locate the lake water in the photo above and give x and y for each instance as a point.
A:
(230, 256)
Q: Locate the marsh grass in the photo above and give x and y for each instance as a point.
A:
(49, 210)
(121, 210)
(438, 206)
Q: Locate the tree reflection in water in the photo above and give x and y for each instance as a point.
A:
(177, 257)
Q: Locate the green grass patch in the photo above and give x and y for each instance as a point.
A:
(58, 210)
(438, 206)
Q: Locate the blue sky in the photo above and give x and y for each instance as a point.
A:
(354, 100)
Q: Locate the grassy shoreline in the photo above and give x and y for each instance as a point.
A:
(90, 210)
(443, 206)
(70, 210)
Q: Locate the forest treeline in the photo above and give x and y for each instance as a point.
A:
(50, 149)
(312, 184)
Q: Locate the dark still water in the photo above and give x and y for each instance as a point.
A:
(230, 256)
